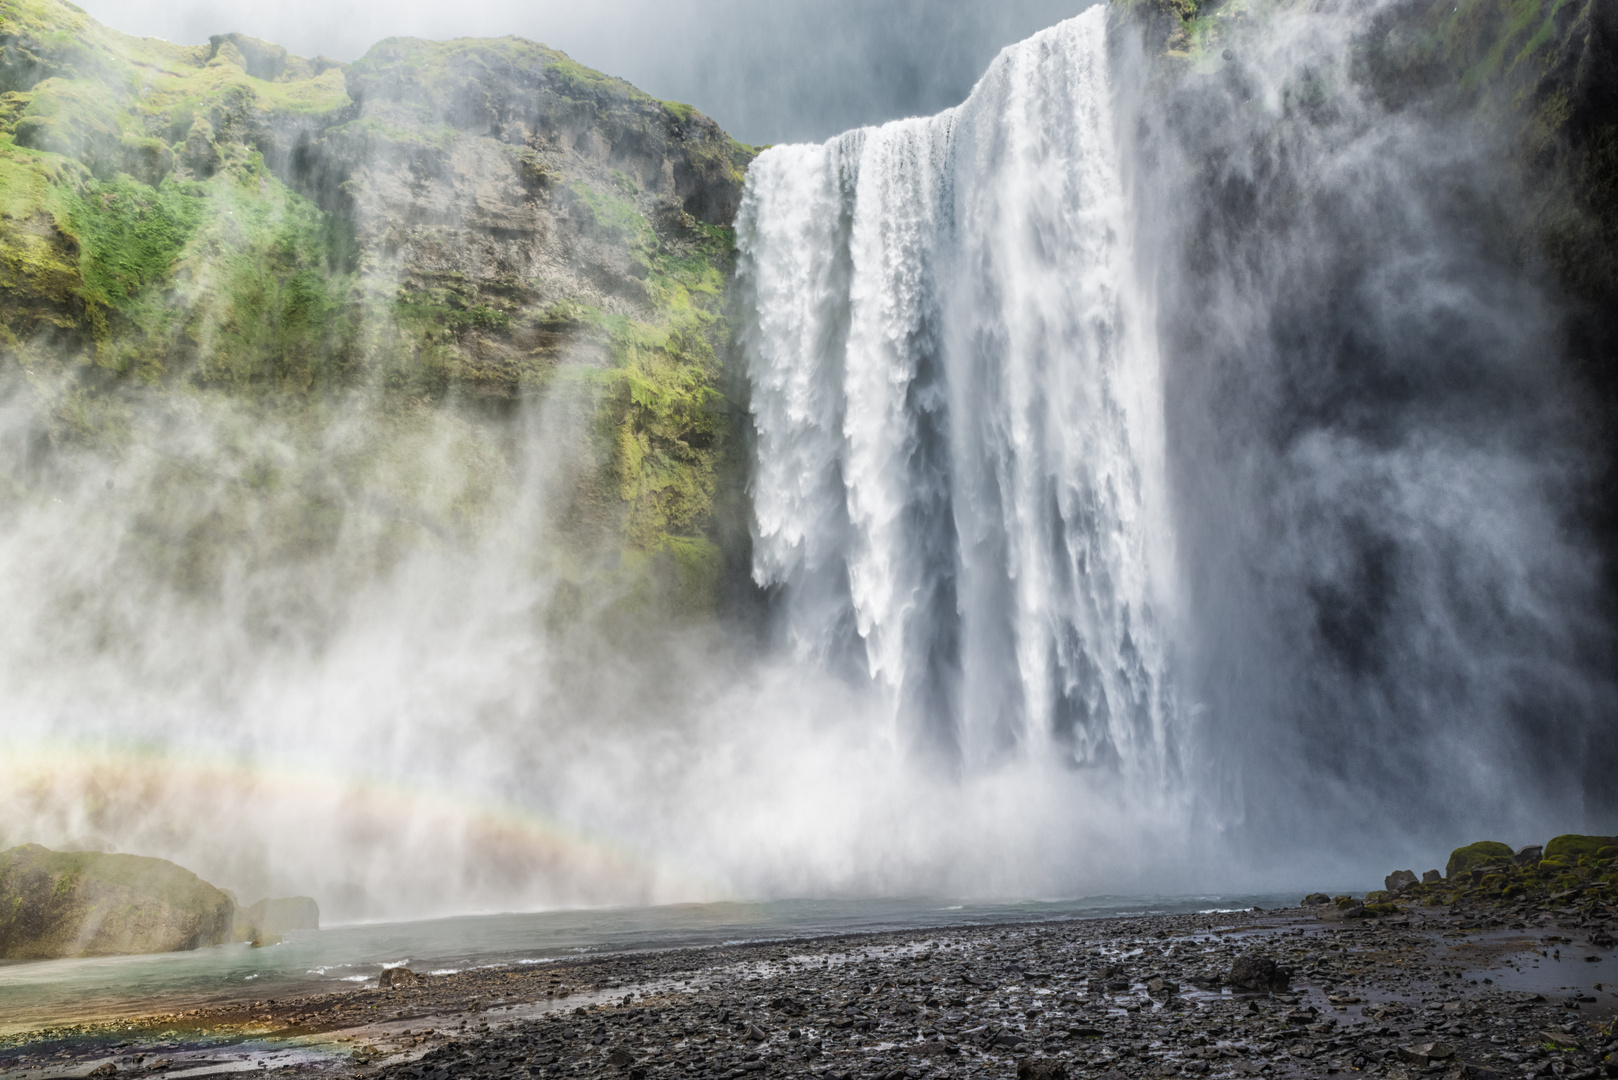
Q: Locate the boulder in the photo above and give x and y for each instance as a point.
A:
(1316, 899)
(1482, 853)
(1251, 971)
(1528, 856)
(1398, 880)
(396, 978)
(1431, 877)
(83, 903)
(1572, 847)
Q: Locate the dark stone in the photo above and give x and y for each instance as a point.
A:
(1255, 972)
(1398, 880)
(1424, 1054)
(395, 978)
(1041, 1069)
(1316, 899)
(1465, 1070)
(1161, 988)
(1530, 854)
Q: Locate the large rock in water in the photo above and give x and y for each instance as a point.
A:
(80, 903)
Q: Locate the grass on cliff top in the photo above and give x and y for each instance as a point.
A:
(148, 74)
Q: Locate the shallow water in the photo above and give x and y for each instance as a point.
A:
(70, 991)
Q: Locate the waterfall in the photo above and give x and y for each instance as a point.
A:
(959, 492)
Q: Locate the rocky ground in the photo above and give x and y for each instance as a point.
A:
(1464, 991)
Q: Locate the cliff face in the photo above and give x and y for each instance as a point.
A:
(465, 225)
(1540, 76)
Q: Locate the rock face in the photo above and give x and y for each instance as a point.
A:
(61, 904)
(461, 227)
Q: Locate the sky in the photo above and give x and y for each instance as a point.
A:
(768, 70)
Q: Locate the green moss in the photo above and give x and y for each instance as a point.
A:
(1482, 853)
(1571, 848)
(130, 234)
(145, 246)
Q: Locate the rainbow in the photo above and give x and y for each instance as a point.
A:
(148, 797)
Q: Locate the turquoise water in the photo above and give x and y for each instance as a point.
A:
(39, 993)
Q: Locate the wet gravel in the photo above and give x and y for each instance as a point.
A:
(1466, 994)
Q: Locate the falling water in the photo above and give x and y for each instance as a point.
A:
(959, 487)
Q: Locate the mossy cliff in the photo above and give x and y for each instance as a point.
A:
(57, 904)
(460, 228)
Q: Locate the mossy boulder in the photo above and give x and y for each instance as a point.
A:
(1482, 853)
(78, 903)
(1569, 849)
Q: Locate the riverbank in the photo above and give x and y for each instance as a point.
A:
(1298, 992)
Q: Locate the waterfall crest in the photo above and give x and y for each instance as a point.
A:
(959, 486)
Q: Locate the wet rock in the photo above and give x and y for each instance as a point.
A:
(106, 1068)
(82, 903)
(1463, 859)
(1431, 877)
(1528, 855)
(1397, 880)
(1316, 899)
(1424, 1054)
(1465, 1070)
(1161, 988)
(1041, 1069)
(620, 1058)
(1253, 971)
(397, 978)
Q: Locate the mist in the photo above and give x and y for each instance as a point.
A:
(768, 72)
(1147, 483)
